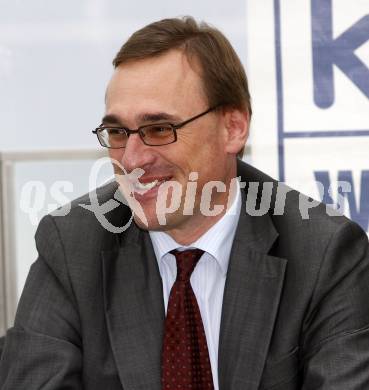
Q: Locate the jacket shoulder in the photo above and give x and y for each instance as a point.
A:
(294, 214)
(91, 219)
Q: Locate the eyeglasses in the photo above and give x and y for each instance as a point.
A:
(155, 134)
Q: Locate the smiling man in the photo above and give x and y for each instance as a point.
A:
(202, 291)
(168, 89)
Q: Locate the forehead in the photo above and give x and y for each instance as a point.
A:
(165, 81)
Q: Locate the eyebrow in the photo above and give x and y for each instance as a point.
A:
(142, 118)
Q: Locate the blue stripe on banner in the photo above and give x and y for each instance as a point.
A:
(335, 133)
(278, 60)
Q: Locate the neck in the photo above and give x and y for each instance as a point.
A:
(194, 230)
(197, 225)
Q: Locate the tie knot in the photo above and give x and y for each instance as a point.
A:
(186, 262)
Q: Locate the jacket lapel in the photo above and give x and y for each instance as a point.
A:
(250, 303)
(134, 309)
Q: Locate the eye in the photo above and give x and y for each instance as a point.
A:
(114, 131)
(158, 130)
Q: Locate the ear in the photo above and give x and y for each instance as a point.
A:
(237, 129)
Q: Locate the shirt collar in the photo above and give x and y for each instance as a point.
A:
(217, 241)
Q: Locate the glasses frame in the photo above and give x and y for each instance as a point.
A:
(139, 130)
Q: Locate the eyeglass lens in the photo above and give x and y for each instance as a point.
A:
(157, 134)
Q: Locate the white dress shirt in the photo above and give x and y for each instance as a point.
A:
(209, 275)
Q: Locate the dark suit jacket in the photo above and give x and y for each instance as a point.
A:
(2, 341)
(295, 311)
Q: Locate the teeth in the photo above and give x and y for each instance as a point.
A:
(145, 186)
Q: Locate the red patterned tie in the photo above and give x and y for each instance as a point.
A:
(185, 358)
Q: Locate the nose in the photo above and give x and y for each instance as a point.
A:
(136, 154)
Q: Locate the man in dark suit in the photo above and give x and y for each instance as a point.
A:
(271, 300)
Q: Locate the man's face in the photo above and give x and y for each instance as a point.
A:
(168, 89)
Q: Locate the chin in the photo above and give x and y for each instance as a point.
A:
(150, 223)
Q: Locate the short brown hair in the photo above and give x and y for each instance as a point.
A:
(223, 75)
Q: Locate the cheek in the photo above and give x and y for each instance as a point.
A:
(200, 152)
(116, 156)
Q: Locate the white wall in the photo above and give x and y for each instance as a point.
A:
(55, 61)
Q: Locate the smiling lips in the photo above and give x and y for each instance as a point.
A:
(138, 186)
(145, 185)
